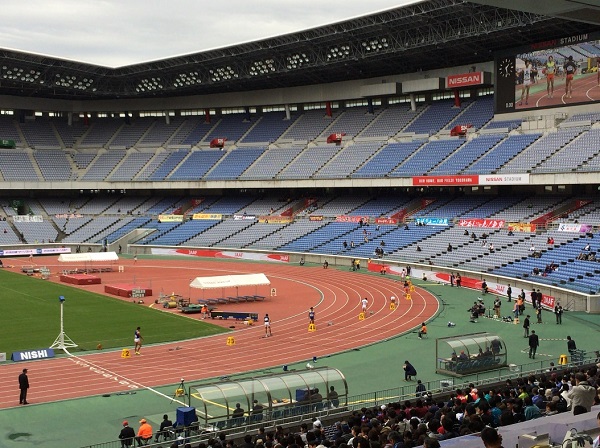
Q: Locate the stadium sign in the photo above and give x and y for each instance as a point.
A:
(445, 180)
(466, 80)
(29, 355)
(504, 179)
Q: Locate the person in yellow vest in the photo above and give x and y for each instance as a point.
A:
(550, 72)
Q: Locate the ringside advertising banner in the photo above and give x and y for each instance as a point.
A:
(43, 251)
(441, 277)
(214, 253)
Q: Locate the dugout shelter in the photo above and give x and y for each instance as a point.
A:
(470, 353)
(270, 397)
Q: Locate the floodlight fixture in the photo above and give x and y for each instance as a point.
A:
(338, 52)
(296, 60)
(222, 74)
(262, 67)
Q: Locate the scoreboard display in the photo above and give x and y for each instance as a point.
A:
(537, 76)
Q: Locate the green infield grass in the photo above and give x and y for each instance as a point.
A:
(31, 318)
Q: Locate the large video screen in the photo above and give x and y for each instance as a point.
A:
(560, 72)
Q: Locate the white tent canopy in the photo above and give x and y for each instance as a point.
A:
(88, 257)
(230, 281)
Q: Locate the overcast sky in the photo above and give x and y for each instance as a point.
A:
(117, 32)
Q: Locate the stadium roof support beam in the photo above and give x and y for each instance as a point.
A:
(428, 35)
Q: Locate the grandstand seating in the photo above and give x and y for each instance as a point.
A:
(39, 134)
(234, 163)
(286, 234)
(540, 150)
(54, 165)
(181, 233)
(219, 232)
(470, 152)
(130, 166)
(161, 132)
(503, 124)
(191, 132)
(17, 166)
(573, 155)
(196, 165)
(250, 234)
(347, 160)
(103, 165)
(163, 164)
(268, 128)
(129, 134)
(9, 129)
(386, 159)
(309, 125)
(426, 158)
(501, 153)
(83, 159)
(101, 132)
(297, 152)
(69, 135)
(308, 162)
(270, 163)
(350, 122)
(477, 114)
(232, 127)
(390, 121)
(435, 117)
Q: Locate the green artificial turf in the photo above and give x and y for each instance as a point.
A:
(31, 318)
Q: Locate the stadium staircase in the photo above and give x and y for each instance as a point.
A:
(413, 208)
(562, 210)
(36, 167)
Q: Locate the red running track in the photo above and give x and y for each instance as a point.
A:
(335, 295)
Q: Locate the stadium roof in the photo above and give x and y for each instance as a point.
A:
(423, 36)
